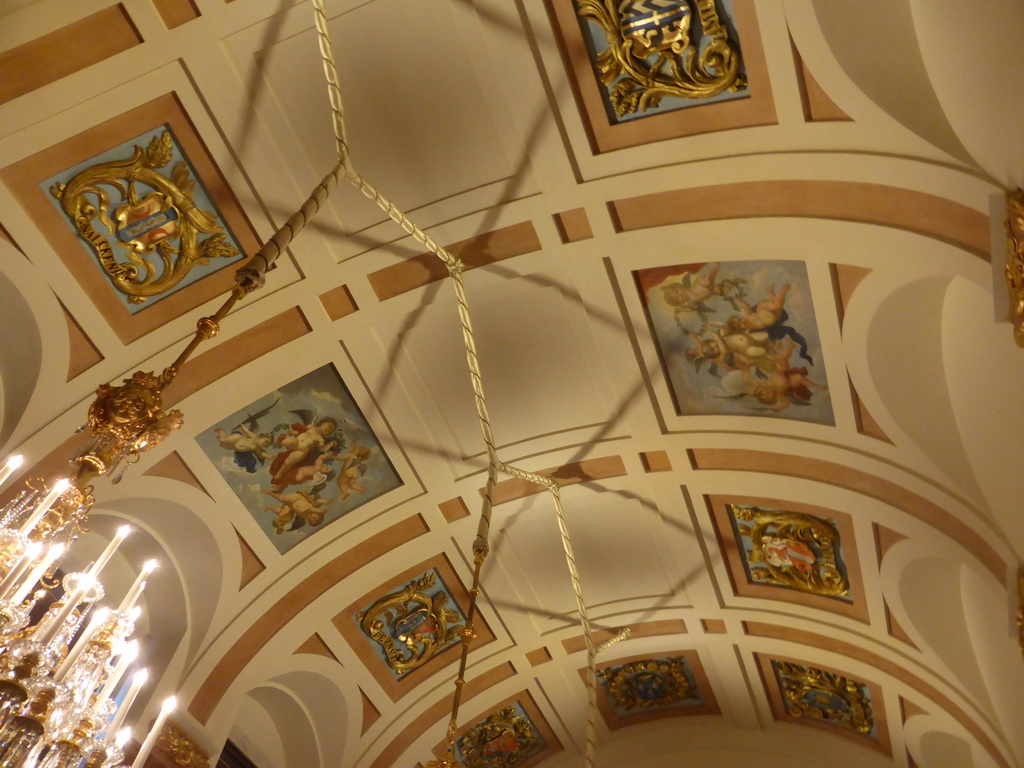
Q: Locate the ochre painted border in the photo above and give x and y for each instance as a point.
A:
(771, 684)
(757, 109)
(709, 707)
(363, 646)
(858, 609)
(23, 179)
(907, 209)
(290, 605)
(530, 707)
(743, 460)
(884, 665)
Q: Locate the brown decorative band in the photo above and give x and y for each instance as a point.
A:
(478, 251)
(889, 667)
(290, 605)
(65, 51)
(906, 209)
(861, 482)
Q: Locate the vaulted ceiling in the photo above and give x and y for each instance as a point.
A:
(864, 166)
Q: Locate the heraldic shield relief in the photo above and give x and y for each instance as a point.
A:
(150, 229)
(411, 626)
(660, 49)
(791, 549)
(650, 684)
(505, 739)
(815, 694)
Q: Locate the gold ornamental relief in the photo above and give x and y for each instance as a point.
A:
(1015, 262)
(174, 742)
(819, 695)
(792, 549)
(412, 625)
(135, 241)
(655, 50)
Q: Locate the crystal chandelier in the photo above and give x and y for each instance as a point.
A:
(59, 674)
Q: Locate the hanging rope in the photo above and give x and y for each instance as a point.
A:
(252, 276)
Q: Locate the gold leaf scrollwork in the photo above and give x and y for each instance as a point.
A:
(768, 528)
(418, 621)
(819, 695)
(648, 684)
(180, 748)
(143, 227)
(1015, 262)
(505, 739)
(651, 53)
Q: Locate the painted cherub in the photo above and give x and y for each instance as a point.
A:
(352, 468)
(248, 446)
(303, 443)
(786, 385)
(770, 316)
(302, 505)
(733, 350)
(692, 291)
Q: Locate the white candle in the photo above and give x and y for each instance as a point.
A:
(147, 745)
(51, 556)
(51, 496)
(20, 566)
(12, 464)
(122, 737)
(140, 584)
(85, 583)
(138, 681)
(97, 621)
(131, 650)
(122, 534)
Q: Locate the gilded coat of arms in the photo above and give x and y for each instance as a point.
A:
(655, 49)
(814, 693)
(149, 240)
(791, 549)
(504, 739)
(413, 624)
(640, 686)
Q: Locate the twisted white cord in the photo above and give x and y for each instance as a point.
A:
(495, 464)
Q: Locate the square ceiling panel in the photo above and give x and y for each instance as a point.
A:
(419, 127)
(529, 551)
(534, 347)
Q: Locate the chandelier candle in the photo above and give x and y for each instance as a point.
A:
(122, 534)
(138, 681)
(31, 553)
(85, 583)
(52, 555)
(148, 744)
(140, 584)
(51, 496)
(97, 621)
(9, 466)
(131, 651)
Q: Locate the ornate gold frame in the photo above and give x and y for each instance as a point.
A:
(827, 580)
(140, 278)
(672, 669)
(796, 682)
(636, 84)
(409, 657)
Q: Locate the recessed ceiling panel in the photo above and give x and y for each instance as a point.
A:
(418, 126)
